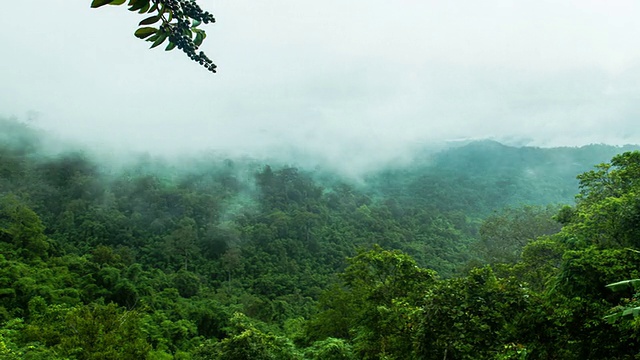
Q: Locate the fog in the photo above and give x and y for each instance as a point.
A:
(354, 85)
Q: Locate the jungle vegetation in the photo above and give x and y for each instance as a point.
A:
(480, 251)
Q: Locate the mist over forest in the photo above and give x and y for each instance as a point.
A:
(291, 180)
(476, 250)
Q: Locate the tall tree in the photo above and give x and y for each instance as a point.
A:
(376, 306)
(504, 235)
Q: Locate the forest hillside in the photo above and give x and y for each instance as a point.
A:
(476, 251)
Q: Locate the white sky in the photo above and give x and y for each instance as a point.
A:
(353, 81)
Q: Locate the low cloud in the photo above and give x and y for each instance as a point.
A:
(350, 85)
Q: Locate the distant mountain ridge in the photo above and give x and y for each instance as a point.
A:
(488, 175)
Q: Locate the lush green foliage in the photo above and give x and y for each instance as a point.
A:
(455, 257)
(504, 235)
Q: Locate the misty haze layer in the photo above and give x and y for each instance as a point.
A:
(353, 85)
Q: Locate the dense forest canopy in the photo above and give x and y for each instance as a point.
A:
(478, 251)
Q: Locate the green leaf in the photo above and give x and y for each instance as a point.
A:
(170, 47)
(627, 312)
(161, 38)
(145, 8)
(196, 23)
(199, 38)
(98, 3)
(635, 311)
(144, 32)
(7, 291)
(154, 37)
(149, 20)
(138, 4)
(117, 2)
(624, 285)
(613, 317)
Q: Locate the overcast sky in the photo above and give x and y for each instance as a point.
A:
(348, 81)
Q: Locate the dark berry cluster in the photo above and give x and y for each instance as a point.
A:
(184, 11)
(189, 9)
(187, 45)
(172, 5)
(192, 10)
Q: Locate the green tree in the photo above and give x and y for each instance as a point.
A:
(248, 342)
(470, 318)
(540, 262)
(608, 206)
(22, 228)
(376, 305)
(330, 349)
(181, 244)
(104, 332)
(87, 331)
(504, 235)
